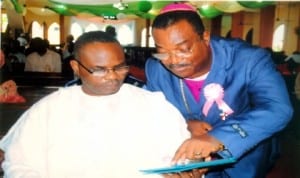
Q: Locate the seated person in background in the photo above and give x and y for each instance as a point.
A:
(15, 58)
(22, 40)
(293, 62)
(68, 54)
(297, 87)
(8, 89)
(68, 47)
(111, 30)
(101, 128)
(16, 54)
(41, 59)
(295, 57)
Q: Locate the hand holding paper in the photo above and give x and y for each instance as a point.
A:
(196, 148)
(191, 154)
(217, 161)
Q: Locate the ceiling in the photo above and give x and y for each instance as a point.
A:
(116, 8)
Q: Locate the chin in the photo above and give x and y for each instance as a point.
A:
(182, 74)
(112, 91)
(106, 92)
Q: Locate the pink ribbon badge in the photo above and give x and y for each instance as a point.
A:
(215, 93)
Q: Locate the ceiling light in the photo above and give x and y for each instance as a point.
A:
(120, 5)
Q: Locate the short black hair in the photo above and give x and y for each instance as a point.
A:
(167, 19)
(91, 37)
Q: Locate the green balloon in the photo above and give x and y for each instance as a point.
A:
(255, 4)
(209, 11)
(144, 6)
(18, 7)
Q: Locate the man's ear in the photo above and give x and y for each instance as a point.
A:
(206, 37)
(74, 66)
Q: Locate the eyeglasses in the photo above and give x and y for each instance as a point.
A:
(102, 71)
(178, 53)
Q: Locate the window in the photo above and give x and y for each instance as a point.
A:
(125, 35)
(91, 27)
(37, 30)
(278, 38)
(54, 34)
(76, 30)
(4, 22)
(125, 31)
(150, 38)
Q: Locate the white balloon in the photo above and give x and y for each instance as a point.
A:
(228, 6)
(121, 16)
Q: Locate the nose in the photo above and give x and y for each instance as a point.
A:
(111, 74)
(173, 58)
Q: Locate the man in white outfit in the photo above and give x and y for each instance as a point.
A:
(42, 59)
(102, 128)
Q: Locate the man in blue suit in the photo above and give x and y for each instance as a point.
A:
(230, 93)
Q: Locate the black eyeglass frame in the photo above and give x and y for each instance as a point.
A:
(104, 70)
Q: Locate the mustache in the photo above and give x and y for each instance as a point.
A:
(113, 82)
(173, 66)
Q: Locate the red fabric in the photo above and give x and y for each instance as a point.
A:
(9, 93)
(12, 99)
(283, 69)
(137, 73)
